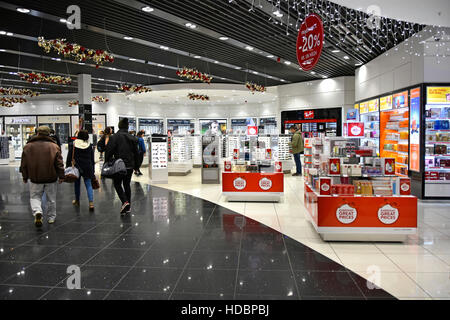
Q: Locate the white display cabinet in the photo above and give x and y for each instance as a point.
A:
(158, 160)
(180, 156)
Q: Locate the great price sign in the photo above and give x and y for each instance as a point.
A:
(310, 42)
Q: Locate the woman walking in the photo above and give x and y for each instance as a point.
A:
(81, 153)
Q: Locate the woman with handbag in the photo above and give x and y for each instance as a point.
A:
(81, 156)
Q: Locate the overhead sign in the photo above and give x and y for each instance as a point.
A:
(386, 103)
(438, 95)
(310, 42)
(364, 107)
(401, 100)
(374, 105)
(309, 114)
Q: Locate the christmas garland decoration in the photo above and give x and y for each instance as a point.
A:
(18, 92)
(134, 89)
(193, 96)
(73, 103)
(9, 102)
(100, 99)
(76, 51)
(43, 78)
(253, 87)
(193, 74)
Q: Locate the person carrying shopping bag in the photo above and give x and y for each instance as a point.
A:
(81, 156)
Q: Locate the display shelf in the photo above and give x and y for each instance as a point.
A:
(361, 218)
(437, 181)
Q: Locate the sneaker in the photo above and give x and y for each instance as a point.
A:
(51, 221)
(38, 220)
(76, 203)
(125, 207)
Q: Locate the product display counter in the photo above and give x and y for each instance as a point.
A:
(253, 186)
(352, 195)
(259, 181)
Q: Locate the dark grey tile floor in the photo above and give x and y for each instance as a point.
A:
(173, 246)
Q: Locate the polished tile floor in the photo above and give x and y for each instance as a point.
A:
(416, 269)
(173, 246)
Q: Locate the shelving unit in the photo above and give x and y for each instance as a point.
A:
(437, 150)
(180, 163)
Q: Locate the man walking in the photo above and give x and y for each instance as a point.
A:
(43, 165)
(123, 145)
(297, 149)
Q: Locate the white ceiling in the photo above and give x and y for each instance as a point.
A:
(220, 95)
(429, 12)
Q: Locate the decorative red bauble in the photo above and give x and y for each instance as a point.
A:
(278, 60)
(310, 42)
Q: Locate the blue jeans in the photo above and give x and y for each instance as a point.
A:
(298, 163)
(90, 191)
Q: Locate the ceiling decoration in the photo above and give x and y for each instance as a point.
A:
(194, 74)
(253, 87)
(194, 96)
(9, 102)
(38, 78)
(134, 89)
(18, 92)
(236, 41)
(76, 51)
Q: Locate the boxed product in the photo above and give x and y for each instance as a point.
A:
(440, 149)
(382, 188)
(343, 189)
(363, 188)
(351, 170)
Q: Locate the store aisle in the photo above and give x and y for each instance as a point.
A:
(173, 246)
(417, 268)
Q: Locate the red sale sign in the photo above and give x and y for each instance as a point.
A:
(355, 129)
(310, 42)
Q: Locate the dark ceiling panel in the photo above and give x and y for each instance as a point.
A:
(235, 20)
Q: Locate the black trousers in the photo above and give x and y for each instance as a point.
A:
(123, 187)
(141, 159)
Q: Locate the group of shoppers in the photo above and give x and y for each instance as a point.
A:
(42, 165)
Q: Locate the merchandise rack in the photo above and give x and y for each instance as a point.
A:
(383, 210)
(180, 163)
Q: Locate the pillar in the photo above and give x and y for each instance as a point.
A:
(85, 102)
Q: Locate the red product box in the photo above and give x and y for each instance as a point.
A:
(427, 175)
(434, 175)
(335, 166)
(356, 129)
(389, 166)
(236, 154)
(278, 166)
(345, 180)
(405, 186)
(325, 186)
(227, 166)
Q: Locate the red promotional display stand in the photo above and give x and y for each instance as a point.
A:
(253, 186)
(362, 218)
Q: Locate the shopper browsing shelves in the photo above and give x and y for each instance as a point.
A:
(297, 148)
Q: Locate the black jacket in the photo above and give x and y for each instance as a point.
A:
(84, 158)
(123, 145)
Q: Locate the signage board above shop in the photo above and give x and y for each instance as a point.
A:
(401, 100)
(386, 103)
(438, 95)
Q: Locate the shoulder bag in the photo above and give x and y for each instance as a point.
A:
(72, 174)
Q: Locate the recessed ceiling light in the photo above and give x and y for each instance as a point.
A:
(277, 13)
(216, 61)
(255, 72)
(190, 25)
(2, 50)
(160, 65)
(224, 38)
(313, 72)
(238, 68)
(23, 10)
(81, 63)
(101, 79)
(287, 62)
(270, 56)
(3, 32)
(161, 77)
(128, 38)
(132, 59)
(336, 51)
(358, 64)
(197, 57)
(114, 69)
(346, 57)
(324, 77)
(9, 34)
(147, 9)
(63, 20)
(249, 48)
(164, 47)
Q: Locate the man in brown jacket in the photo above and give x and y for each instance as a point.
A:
(43, 165)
